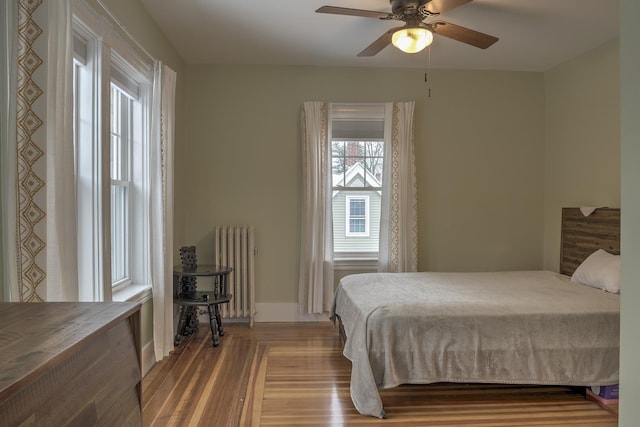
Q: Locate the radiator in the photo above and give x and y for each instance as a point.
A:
(234, 247)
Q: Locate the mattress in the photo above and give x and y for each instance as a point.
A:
(527, 327)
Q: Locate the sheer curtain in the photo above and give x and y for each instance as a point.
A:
(162, 141)
(62, 258)
(315, 287)
(399, 216)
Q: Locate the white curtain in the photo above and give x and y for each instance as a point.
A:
(315, 287)
(162, 142)
(38, 187)
(398, 223)
(62, 260)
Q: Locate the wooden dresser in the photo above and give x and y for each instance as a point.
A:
(70, 364)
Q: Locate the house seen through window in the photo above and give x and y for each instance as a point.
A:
(357, 147)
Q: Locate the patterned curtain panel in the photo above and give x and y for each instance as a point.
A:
(39, 250)
(162, 124)
(399, 216)
(30, 200)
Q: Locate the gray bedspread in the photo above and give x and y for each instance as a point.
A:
(527, 327)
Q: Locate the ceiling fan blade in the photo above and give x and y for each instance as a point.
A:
(382, 42)
(462, 34)
(354, 12)
(441, 6)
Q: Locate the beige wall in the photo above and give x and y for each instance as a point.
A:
(582, 159)
(630, 118)
(479, 150)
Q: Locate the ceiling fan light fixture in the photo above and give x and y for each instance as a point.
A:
(412, 39)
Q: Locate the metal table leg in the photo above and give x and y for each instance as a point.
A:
(212, 322)
(181, 324)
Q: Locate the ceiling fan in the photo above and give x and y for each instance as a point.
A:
(415, 35)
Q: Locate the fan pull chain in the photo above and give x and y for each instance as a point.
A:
(427, 67)
(426, 80)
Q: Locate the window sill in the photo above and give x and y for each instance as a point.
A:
(355, 264)
(133, 293)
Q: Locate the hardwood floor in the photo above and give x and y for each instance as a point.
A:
(295, 375)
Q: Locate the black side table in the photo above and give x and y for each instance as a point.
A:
(189, 299)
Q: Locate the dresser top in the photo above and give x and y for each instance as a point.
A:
(35, 336)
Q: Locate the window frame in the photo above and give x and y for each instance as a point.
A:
(111, 61)
(121, 153)
(361, 123)
(137, 88)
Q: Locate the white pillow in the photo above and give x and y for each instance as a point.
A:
(600, 270)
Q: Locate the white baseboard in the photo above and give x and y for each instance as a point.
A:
(285, 312)
(273, 312)
(148, 357)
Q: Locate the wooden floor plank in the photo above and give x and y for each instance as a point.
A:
(295, 375)
(255, 389)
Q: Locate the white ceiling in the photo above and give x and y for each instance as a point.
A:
(535, 35)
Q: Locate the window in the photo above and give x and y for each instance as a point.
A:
(357, 146)
(121, 127)
(111, 138)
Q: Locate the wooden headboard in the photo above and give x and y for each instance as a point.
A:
(582, 235)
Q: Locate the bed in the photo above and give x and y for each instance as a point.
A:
(524, 327)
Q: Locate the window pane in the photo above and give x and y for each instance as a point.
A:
(116, 134)
(120, 133)
(357, 164)
(119, 229)
(356, 173)
(357, 207)
(354, 164)
(357, 225)
(337, 158)
(373, 162)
